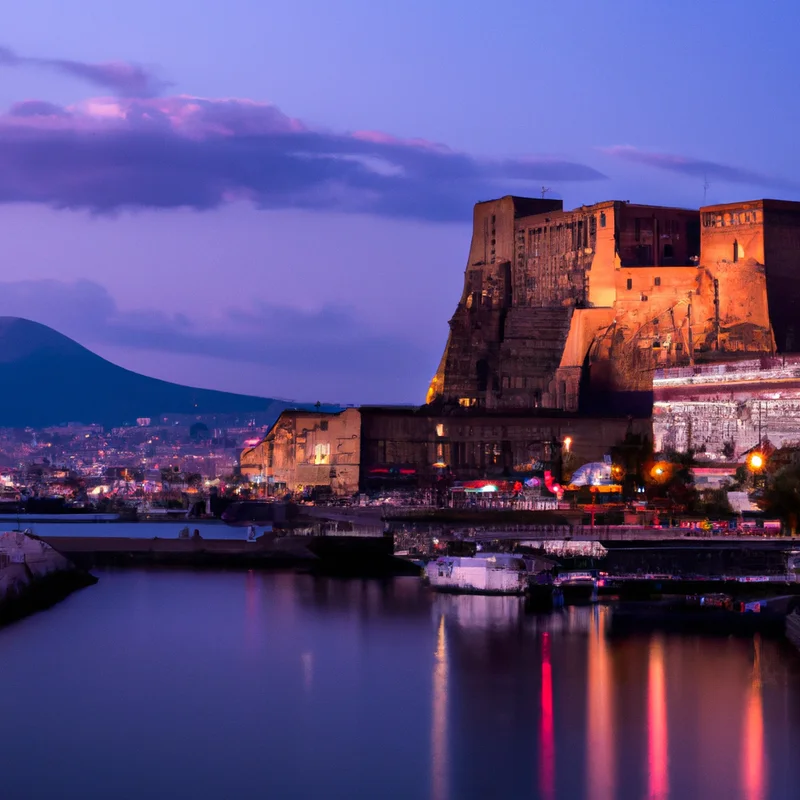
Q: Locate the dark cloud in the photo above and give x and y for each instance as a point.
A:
(328, 348)
(185, 151)
(698, 168)
(119, 77)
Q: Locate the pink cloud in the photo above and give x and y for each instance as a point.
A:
(110, 153)
(128, 80)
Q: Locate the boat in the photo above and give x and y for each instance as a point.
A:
(577, 586)
(483, 573)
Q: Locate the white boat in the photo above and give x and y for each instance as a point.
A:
(485, 573)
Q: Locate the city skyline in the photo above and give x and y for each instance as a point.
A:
(308, 238)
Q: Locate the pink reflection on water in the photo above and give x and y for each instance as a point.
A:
(657, 733)
(600, 753)
(754, 773)
(439, 755)
(547, 744)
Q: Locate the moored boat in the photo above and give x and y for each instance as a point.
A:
(484, 573)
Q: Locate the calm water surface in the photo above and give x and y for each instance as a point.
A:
(178, 684)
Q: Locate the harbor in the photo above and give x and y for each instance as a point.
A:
(297, 664)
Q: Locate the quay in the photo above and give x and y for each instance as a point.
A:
(364, 554)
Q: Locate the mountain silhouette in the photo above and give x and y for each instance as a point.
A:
(47, 378)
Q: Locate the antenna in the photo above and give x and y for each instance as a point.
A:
(706, 187)
(545, 190)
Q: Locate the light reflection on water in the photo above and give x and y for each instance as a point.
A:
(242, 683)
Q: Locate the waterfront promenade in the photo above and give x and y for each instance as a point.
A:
(373, 517)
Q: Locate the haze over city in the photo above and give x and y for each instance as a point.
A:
(280, 204)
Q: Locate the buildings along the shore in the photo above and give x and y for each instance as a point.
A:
(564, 321)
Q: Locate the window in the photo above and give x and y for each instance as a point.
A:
(669, 251)
(440, 430)
(322, 453)
(602, 219)
(657, 281)
(323, 426)
(629, 283)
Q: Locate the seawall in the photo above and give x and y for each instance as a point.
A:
(341, 554)
(34, 576)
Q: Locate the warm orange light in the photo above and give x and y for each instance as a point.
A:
(567, 443)
(755, 461)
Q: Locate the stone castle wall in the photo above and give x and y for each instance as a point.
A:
(678, 287)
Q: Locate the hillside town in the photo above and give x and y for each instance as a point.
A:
(171, 462)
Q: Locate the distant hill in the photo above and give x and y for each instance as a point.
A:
(48, 379)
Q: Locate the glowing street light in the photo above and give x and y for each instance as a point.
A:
(567, 443)
(755, 462)
(661, 471)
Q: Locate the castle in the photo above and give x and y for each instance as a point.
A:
(574, 310)
(565, 319)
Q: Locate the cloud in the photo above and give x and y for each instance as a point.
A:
(697, 168)
(166, 152)
(328, 348)
(118, 77)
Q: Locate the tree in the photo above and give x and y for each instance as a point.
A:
(632, 455)
(728, 449)
(714, 503)
(782, 496)
(670, 478)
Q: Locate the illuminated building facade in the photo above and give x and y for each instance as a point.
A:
(564, 320)
(379, 447)
(575, 310)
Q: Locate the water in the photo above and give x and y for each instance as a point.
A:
(168, 529)
(180, 684)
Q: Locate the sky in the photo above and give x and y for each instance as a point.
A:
(275, 198)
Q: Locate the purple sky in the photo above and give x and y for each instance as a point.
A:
(275, 199)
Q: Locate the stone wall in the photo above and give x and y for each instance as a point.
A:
(681, 286)
(721, 411)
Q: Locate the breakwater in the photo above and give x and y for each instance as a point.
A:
(336, 554)
(34, 576)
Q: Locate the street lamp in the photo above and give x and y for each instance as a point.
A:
(755, 462)
(567, 443)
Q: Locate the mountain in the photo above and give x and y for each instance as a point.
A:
(48, 379)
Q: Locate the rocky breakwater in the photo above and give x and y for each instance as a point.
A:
(34, 576)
